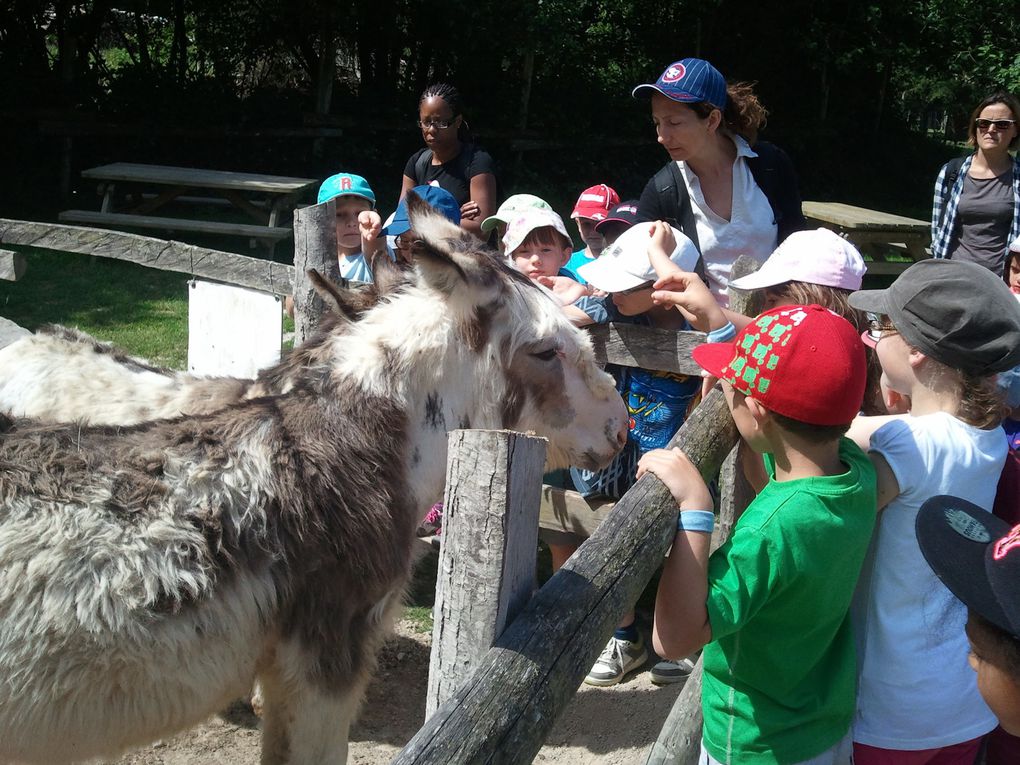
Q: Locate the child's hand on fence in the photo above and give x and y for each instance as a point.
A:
(689, 295)
(566, 290)
(675, 469)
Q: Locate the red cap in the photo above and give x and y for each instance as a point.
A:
(803, 362)
(595, 202)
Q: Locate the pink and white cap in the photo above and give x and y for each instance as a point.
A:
(819, 256)
(524, 222)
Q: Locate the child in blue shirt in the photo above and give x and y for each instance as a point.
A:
(353, 197)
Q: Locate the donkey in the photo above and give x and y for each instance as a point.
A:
(148, 574)
(65, 375)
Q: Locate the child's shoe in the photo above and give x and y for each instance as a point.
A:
(617, 659)
(667, 671)
(432, 523)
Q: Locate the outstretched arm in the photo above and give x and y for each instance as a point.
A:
(681, 616)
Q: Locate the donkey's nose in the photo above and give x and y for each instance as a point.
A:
(621, 435)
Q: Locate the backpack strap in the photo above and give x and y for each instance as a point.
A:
(675, 202)
(953, 171)
(421, 167)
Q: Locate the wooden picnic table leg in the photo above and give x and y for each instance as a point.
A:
(244, 205)
(107, 204)
(158, 201)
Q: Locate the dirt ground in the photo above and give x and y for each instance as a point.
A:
(610, 726)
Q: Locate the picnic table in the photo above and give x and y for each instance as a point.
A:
(264, 199)
(874, 233)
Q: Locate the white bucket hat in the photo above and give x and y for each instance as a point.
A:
(625, 264)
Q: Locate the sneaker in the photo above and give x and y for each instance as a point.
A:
(617, 659)
(666, 671)
(432, 523)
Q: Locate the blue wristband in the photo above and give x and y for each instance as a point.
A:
(696, 520)
(721, 335)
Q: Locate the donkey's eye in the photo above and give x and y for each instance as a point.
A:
(548, 355)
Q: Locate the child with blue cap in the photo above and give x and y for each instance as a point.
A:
(399, 226)
(355, 221)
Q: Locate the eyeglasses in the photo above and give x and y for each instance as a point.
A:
(984, 125)
(403, 243)
(435, 124)
(878, 326)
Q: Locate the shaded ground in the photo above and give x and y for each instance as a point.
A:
(614, 726)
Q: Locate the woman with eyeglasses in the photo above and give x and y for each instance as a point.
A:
(976, 213)
(730, 193)
(451, 159)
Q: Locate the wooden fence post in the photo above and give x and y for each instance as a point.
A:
(679, 741)
(504, 710)
(487, 560)
(12, 265)
(314, 247)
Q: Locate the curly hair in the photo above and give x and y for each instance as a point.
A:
(744, 114)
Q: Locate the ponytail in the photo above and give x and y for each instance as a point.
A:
(744, 114)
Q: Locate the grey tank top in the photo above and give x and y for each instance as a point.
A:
(983, 218)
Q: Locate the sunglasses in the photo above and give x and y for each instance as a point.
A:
(983, 124)
(878, 326)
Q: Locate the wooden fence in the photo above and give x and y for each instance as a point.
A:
(504, 666)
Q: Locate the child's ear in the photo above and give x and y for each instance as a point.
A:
(567, 252)
(915, 357)
(760, 414)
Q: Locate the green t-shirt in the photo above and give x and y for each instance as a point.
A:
(779, 674)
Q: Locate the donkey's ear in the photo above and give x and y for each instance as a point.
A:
(386, 274)
(448, 257)
(342, 301)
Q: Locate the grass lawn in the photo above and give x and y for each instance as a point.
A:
(142, 310)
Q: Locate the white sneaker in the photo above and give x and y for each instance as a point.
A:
(667, 671)
(617, 659)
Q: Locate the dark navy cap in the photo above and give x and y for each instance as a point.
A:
(689, 81)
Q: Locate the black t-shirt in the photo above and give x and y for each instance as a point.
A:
(453, 176)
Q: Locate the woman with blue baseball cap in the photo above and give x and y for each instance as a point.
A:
(728, 192)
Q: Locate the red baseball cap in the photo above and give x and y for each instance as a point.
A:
(595, 202)
(803, 362)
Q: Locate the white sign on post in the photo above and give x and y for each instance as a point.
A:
(232, 331)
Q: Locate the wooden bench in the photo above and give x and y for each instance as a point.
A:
(875, 232)
(268, 234)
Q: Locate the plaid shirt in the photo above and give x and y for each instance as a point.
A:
(943, 216)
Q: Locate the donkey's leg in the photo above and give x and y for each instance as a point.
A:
(303, 722)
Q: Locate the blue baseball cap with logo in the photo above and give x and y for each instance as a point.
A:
(345, 184)
(690, 81)
(440, 200)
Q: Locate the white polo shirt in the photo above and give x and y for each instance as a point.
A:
(751, 229)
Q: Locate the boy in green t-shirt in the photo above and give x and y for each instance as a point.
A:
(770, 605)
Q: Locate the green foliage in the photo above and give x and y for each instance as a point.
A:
(142, 310)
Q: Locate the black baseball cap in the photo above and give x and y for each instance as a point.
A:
(956, 312)
(976, 555)
(625, 212)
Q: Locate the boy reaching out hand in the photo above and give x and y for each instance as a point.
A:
(771, 604)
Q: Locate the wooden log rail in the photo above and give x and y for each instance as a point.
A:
(163, 254)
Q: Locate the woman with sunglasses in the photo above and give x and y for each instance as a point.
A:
(451, 159)
(976, 213)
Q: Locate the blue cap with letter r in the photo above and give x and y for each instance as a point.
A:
(441, 200)
(690, 80)
(345, 184)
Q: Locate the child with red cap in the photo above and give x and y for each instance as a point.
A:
(592, 208)
(775, 690)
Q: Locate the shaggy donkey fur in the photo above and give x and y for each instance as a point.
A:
(149, 573)
(64, 375)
